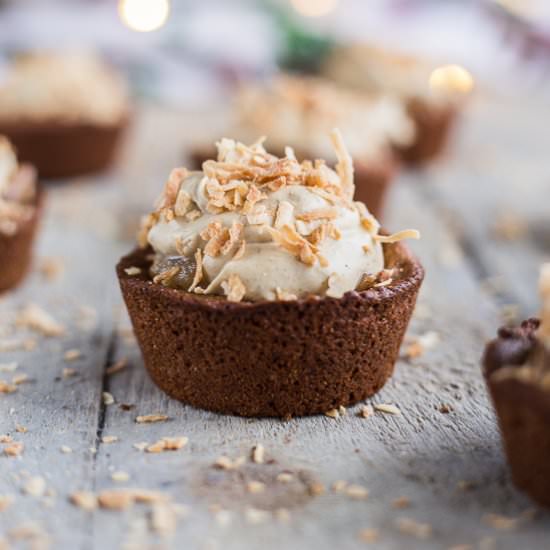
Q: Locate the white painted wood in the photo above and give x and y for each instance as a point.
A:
(423, 454)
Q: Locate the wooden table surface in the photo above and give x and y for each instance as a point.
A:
(435, 474)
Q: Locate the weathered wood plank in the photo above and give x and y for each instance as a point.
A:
(422, 454)
(499, 171)
(57, 410)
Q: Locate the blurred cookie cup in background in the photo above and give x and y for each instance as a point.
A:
(64, 112)
(299, 111)
(432, 94)
(20, 207)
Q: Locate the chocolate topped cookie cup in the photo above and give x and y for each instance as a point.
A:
(270, 358)
(516, 366)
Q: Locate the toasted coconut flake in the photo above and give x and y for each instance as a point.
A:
(366, 411)
(401, 502)
(198, 270)
(108, 398)
(258, 454)
(193, 215)
(240, 251)
(6, 501)
(35, 318)
(163, 518)
(225, 463)
(356, 492)
(255, 487)
(544, 291)
(369, 535)
(72, 354)
(114, 499)
(108, 439)
(285, 477)
(9, 367)
(132, 271)
(289, 153)
(344, 166)
(151, 418)
(14, 449)
(117, 366)
(234, 288)
(68, 372)
(52, 268)
(284, 295)
(120, 476)
(165, 277)
(386, 408)
(171, 188)
(84, 500)
(407, 526)
(182, 204)
(502, 523)
(255, 516)
(284, 216)
(167, 444)
(399, 236)
(6, 388)
(318, 214)
(35, 486)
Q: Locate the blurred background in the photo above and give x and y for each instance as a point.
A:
(185, 59)
(191, 51)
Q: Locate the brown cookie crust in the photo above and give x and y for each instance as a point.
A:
(433, 126)
(372, 179)
(63, 150)
(270, 358)
(522, 404)
(16, 250)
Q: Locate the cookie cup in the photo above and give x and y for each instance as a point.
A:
(281, 358)
(433, 125)
(16, 250)
(64, 150)
(522, 405)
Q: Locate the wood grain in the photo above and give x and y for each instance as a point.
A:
(442, 452)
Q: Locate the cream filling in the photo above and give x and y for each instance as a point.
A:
(266, 269)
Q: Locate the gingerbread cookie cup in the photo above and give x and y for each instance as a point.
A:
(521, 396)
(62, 149)
(433, 125)
(16, 249)
(301, 356)
(372, 180)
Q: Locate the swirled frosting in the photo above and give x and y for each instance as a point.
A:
(252, 226)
